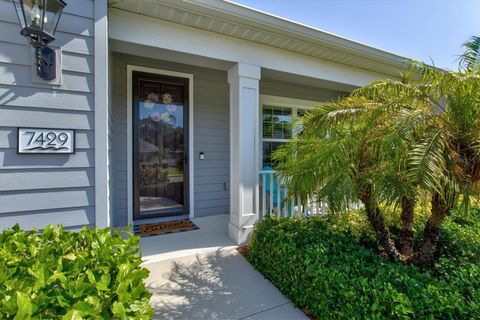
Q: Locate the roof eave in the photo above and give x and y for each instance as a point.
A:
(244, 16)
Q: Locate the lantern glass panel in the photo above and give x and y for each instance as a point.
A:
(52, 15)
(33, 12)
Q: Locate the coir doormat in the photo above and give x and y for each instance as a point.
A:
(153, 229)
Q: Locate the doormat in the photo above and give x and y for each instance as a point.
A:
(153, 229)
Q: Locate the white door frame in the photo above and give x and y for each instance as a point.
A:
(130, 70)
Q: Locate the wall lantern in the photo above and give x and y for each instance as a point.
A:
(39, 21)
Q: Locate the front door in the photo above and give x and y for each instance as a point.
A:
(160, 145)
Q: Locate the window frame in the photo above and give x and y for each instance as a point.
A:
(277, 101)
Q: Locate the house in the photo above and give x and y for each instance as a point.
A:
(176, 107)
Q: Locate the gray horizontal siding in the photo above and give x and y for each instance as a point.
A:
(203, 180)
(72, 218)
(68, 42)
(19, 75)
(15, 53)
(24, 180)
(43, 200)
(9, 159)
(209, 211)
(18, 96)
(204, 195)
(209, 204)
(83, 8)
(36, 190)
(38, 117)
(211, 172)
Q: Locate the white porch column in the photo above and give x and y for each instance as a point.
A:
(244, 150)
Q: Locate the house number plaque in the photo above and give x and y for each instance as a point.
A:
(37, 140)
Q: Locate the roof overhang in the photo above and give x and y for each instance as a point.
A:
(231, 19)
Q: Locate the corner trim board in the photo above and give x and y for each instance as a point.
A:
(102, 190)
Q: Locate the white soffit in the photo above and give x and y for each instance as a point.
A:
(237, 21)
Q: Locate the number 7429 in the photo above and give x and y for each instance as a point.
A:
(47, 139)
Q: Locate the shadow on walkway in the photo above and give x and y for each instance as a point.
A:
(216, 285)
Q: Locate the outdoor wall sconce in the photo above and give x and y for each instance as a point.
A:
(39, 21)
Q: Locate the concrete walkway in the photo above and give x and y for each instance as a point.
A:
(204, 277)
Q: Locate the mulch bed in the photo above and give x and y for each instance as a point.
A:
(243, 250)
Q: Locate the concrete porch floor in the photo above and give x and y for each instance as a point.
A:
(212, 234)
(199, 274)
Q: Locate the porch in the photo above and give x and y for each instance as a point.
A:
(227, 165)
(229, 103)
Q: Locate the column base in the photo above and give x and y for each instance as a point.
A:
(239, 235)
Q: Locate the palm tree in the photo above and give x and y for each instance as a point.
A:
(348, 151)
(388, 142)
(446, 161)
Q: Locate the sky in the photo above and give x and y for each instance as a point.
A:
(419, 29)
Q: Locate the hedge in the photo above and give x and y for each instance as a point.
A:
(330, 266)
(56, 274)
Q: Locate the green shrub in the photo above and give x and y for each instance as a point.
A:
(55, 274)
(322, 264)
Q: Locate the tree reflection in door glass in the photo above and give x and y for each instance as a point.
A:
(160, 146)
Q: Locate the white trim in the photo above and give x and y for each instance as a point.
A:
(130, 69)
(102, 190)
(140, 29)
(243, 80)
(274, 140)
(288, 102)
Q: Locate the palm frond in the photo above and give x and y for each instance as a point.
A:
(470, 59)
(427, 163)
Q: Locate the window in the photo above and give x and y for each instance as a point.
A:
(277, 128)
(277, 122)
